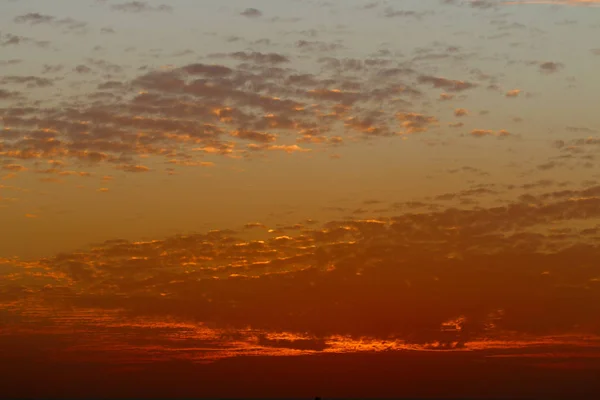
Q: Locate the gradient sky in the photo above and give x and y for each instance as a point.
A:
(206, 186)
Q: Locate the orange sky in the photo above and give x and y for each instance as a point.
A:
(202, 188)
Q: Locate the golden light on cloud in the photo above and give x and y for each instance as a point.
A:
(513, 93)
(461, 112)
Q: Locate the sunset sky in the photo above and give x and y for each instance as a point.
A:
(196, 188)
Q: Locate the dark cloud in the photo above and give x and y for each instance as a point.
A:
(487, 132)
(256, 57)
(82, 69)
(469, 169)
(447, 84)
(5, 94)
(251, 13)
(29, 81)
(9, 39)
(370, 5)
(390, 12)
(548, 165)
(316, 45)
(11, 62)
(37, 18)
(34, 18)
(208, 70)
(483, 4)
(550, 67)
(51, 69)
(140, 6)
(470, 270)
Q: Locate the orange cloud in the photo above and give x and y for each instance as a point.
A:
(461, 112)
(133, 168)
(413, 122)
(14, 167)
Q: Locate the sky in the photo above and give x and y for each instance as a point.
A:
(328, 191)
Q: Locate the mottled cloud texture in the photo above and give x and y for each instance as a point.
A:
(356, 206)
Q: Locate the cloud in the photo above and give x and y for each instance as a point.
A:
(82, 69)
(580, 129)
(191, 163)
(471, 271)
(140, 6)
(133, 168)
(29, 81)
(461, 112)
(47, 69)
(251, 13)
(35, 18)
(256, 57)
(548, 165)
(337, 95)
(211, 70)
(9, 39)
(316, 45)
(11, 62)
(369, 126)
(413, 122)
(14, 167)
(5, 94)
(592, 3)
(293, 148)
(486, 132)
(252, 225)
(254, 136)
(483, 4)
(188, 114)
(447, 84)
(549, 67)
(390, 12)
